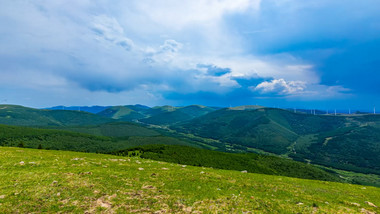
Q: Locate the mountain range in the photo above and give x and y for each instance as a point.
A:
(348, 142)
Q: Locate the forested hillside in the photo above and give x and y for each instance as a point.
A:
(252, 163)
(350, 142)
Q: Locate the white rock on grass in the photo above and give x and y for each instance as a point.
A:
(141, 169)
(366, 211)
(371, 204)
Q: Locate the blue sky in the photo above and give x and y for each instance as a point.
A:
(288, 53)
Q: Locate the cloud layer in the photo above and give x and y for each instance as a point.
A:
(155, 52)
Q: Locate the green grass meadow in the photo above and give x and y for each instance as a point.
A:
(42, 181)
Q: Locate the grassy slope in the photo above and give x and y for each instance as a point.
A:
(41, 181)
(252, 163)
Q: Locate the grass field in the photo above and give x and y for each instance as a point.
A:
(41, 181)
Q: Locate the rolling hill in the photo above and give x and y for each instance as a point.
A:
(89, 109)
(168, 115)
(124, 113)
(23, 116)
(344, 142)
(54, 139)
(159, 115)
(41, 181)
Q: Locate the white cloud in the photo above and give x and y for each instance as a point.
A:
(109, 29)
(301, 90)
(165, 53)
(179, 14)
(280, 86)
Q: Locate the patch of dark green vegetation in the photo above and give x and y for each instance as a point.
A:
(253, 163)
(53, 139)
(158, 140)
(115, 129)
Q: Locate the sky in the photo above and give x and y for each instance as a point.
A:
(322, 54)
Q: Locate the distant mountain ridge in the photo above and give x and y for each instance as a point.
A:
(159, 115)
(90, 109)
(23, 116)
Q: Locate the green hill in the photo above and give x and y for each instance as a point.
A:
(159, 115)
(56, 139)
(73, 141)
(252, 163)
(41, 181)
(23, 116)
(124, 113)
(345, 142)
(168, 115)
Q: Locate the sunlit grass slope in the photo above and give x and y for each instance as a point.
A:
(41, 181)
